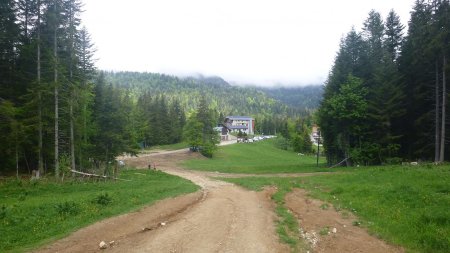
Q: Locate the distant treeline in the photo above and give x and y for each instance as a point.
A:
(386, 97)
(306, 98)
(223, 97)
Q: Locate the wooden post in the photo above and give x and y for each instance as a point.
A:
(318, 148)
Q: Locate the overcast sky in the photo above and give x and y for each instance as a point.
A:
(265, 42)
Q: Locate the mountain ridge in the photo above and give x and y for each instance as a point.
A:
(223, 96)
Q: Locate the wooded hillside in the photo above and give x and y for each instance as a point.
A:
(228, 99)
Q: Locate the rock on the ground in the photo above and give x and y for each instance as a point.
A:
(103, 245)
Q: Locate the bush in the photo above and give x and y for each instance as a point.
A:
(281, 143)
(2, 212)
(67, 208)
(103, 199)
(394, 160)
(208, 150)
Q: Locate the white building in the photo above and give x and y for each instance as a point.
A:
(243, 123)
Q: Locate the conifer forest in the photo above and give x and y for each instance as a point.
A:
(386, 99)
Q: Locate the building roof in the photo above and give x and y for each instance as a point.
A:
(239, 117)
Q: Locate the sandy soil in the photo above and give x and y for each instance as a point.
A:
(342, 237)
(219, 218)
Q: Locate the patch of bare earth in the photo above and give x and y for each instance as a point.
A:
(329, 231)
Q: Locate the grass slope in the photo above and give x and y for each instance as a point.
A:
(34, 213)
(259, 157)
(408, 206)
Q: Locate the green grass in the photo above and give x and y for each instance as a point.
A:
(35, 213)
(259, 157)
(407, 206)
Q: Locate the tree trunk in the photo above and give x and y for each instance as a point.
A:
(436, 120)
(40, 160)
(55, 69)
(106, 161)
(444, 104)
(85, 138)
(26, 20)
(71, 88)
(17, 160)
(72, 142)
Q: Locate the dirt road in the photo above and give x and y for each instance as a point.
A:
(219, 218)
(228, 219)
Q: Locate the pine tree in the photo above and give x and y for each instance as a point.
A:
(86, 71)
(343, 114)
(111, 137)
(199, 130)
(349, 61)
(373, 31)
(394, 35)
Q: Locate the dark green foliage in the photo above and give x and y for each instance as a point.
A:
(110, 123)
(193, 133)
(301, 142)
(208, 150)
(67, 208)
(223, 97)
(281, 143)
(103, 199)
(272, 125)
(3, 212)
(305, 98)
(9, 40)
(401, 79)
(342, 117)
(394, 35)
(199, 131)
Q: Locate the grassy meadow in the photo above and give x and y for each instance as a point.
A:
(259, 157)
(407, 206)
(37, 212)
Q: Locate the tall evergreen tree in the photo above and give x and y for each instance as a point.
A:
(343, 114)
(394, 35)
(418, 75)
(9, 34)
